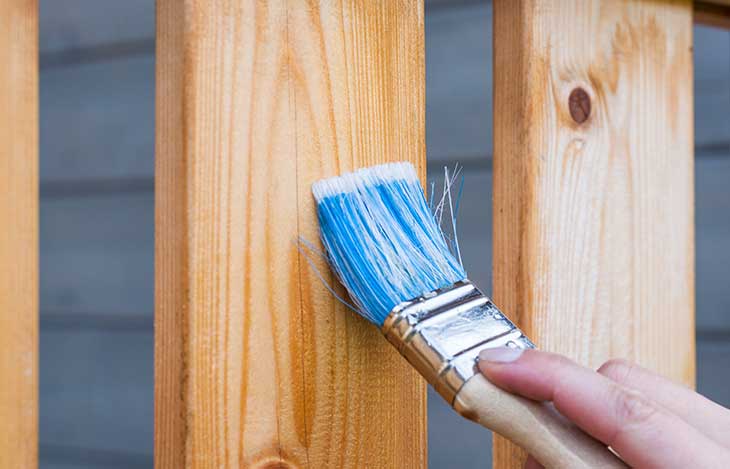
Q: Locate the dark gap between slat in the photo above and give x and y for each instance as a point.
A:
(53, 321)
(93, 457)
(96, 54)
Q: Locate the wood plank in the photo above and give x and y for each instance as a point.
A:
(19, 235)
(78, 422)
(594, 208)
(713, 379)
(98, 119)
(113, 235)
(712, 201)
(454, 442)
(256, 363)
(711, 53)
(713, 233)
(97, 255)
(97, 392)
(81, 26)
(88, 24)
(70, 224)
(459, 82)
(447, 430)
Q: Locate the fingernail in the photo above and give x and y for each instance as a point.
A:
(500, 354)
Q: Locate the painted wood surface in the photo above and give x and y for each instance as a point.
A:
(19, 234)
(256, 364)
(593, 194)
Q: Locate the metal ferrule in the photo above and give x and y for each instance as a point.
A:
(442, 332)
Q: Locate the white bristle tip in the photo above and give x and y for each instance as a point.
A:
(349, 182)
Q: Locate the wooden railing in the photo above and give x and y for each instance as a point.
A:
(256, 365)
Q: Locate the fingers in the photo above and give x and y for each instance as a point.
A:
(641, 431)
(532, 463)
(708, 417)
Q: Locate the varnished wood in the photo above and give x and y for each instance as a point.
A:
(593, 219)
(256, 364)
(19, 234)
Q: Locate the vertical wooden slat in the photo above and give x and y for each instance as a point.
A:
(593, 228)
(256, 365)
(19, 233)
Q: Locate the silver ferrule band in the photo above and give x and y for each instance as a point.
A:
(442, 332)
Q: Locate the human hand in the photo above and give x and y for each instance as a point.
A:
(650, 421)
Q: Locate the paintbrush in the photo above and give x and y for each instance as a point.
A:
(386, 247)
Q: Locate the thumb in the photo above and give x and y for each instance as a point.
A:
(640, 430)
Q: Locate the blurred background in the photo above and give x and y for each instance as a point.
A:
(97, 218)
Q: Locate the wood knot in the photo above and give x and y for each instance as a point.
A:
(579, 104)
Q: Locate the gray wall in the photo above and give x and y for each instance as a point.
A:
(97, 215)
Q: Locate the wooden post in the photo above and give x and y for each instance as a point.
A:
(19, 234)
(256, 365)
(593, 181)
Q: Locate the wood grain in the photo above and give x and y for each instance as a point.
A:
(107, 107)
(19, 234)
(593, 222)
(256, 364)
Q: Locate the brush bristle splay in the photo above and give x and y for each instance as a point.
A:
(381, 238)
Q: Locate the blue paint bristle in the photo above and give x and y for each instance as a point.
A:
(381, 238)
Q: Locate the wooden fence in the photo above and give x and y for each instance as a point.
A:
(256, 365)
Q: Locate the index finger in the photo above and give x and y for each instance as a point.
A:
(642, 432)
(710, 418)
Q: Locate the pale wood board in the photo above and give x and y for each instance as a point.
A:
(256, 364)
(19, 234)
(83, 26)
(593, 222)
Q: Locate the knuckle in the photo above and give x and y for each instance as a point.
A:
(559, 362)
(617, 369)
(633, 408)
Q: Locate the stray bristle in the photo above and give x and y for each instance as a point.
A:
(381, 238)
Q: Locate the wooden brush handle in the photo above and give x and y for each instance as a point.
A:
(537, 427)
